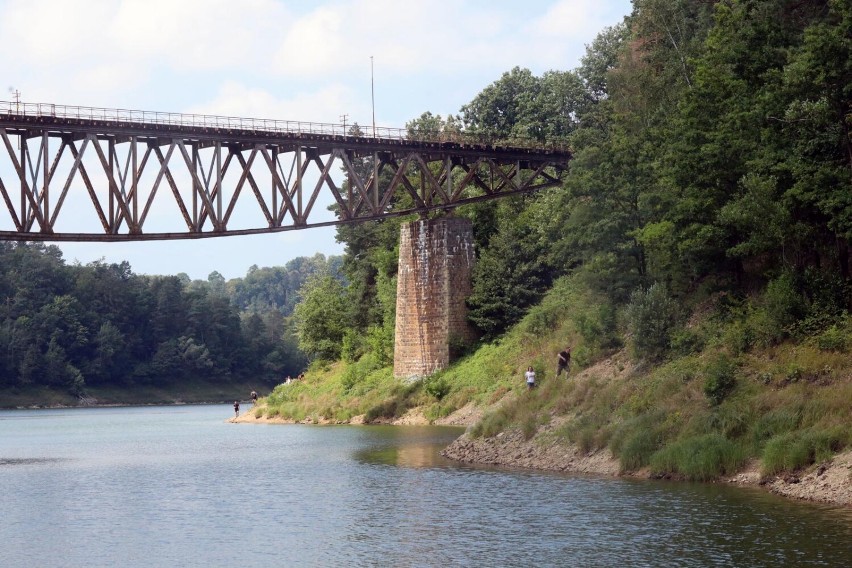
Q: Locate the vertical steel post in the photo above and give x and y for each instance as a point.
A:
(112, 185)
(134, 184)
(25, 212)
(300, 210)
(219, 184)
(195, 187)
(375, 179)
(45, 181)
(275, 187)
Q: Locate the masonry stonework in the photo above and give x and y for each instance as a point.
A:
(435, 262)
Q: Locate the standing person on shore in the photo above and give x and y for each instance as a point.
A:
(236, 409)
(530, 376)
(254, 396)
(564, 362)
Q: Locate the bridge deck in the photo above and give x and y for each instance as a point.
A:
(434, 171)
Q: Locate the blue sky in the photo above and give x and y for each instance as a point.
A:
(289, 60)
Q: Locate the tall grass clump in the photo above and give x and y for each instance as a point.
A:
(492, 423)
(637, 439)
(795, 450)
(701, 458)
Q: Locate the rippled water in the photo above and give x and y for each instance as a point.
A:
(178, 486)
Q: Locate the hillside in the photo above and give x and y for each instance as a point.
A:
(711, 409)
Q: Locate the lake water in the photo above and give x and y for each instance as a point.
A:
(178, 486)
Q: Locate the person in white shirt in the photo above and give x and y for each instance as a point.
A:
(530, 375)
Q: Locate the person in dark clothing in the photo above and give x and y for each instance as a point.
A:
(236, 409)
(564, 362)
(254, 396)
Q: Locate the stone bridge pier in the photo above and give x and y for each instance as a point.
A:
(433, 281)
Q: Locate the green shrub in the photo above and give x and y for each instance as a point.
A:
(719, 379)
(795, 450)
(701, 458)
(652, 315)
(739, 337)
(437, 387)
(380, 343)
(780, 307)
(686, 342)
(833, 339)
(357, 372)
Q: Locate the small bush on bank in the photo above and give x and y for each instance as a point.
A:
(491, 424)
(636, 440)
(795, 450)
(436, 386)
(719, 379)
(702, 458)
(589, 432)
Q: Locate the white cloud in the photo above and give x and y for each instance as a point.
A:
(325, 104)
(196, 34)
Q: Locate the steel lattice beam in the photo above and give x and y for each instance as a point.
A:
(135, 157)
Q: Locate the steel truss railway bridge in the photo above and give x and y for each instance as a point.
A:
(122, 165)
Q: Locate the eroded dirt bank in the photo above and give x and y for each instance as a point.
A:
(830, 482)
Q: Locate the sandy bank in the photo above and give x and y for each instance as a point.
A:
(465, 416)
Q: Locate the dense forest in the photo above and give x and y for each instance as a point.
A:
(75, 327)
(712, 155)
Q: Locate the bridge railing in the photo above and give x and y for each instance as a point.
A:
(261, 124)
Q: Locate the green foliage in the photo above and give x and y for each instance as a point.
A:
(276, 288)
(795, 450)
(355, 374)
(719, 379)
(509, 276)
(652, 315)
(774, 423)
(101, 326)
(436, 386)
(833, 339)
(320, 317)
(701, 458)
(491, 424)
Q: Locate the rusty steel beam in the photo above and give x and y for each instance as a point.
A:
(383, 173)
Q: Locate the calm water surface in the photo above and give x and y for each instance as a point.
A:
(178, 486)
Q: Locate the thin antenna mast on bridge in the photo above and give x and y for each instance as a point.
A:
(373, 95)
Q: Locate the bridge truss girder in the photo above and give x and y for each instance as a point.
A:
(141, 166)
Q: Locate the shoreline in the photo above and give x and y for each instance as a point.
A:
(827, 483)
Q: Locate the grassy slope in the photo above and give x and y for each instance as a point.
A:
(790, 404)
